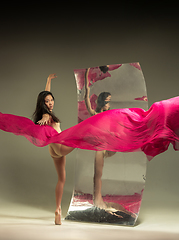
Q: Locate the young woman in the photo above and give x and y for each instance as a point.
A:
(44, 115)
(117, 130)
(103, 104)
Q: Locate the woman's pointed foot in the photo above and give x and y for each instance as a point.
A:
(58, 218)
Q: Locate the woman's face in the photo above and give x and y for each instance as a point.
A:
(107, 105)
(49, 102)
(108, 98)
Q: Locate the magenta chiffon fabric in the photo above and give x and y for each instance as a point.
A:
(118, 130)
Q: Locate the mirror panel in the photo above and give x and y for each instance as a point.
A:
(108, 186)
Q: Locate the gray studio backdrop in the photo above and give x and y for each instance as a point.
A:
(27, 174)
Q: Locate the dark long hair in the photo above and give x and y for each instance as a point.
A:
(41, 107)
(101, 101)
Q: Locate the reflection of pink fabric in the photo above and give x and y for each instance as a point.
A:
(82, 110)
(80, 76)
(118, 130)
(144, 98)
(129, 202)
(136, 65)
(113, 67)
(94, 75)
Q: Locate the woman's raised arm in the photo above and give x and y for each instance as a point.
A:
(86, 96)
(48, 84)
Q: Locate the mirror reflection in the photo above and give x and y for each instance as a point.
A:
(108, 185)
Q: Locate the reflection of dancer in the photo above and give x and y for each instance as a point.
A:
(115, 209)
(103, 101)
(43, 115)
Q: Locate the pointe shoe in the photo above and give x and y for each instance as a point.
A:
(58, 218)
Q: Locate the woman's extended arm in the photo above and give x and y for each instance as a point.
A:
(86, 96)
(44, 120)
(48, 84)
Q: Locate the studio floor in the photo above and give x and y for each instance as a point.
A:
(156, 221)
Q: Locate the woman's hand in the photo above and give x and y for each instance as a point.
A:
(44, 120)
(48, 84)
(51, 76)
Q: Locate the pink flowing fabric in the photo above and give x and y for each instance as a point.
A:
(118, 130)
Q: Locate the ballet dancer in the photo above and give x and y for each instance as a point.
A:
(44, 115)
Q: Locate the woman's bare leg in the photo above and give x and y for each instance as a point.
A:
(60, 168)
(59, 161)
(98, 170)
